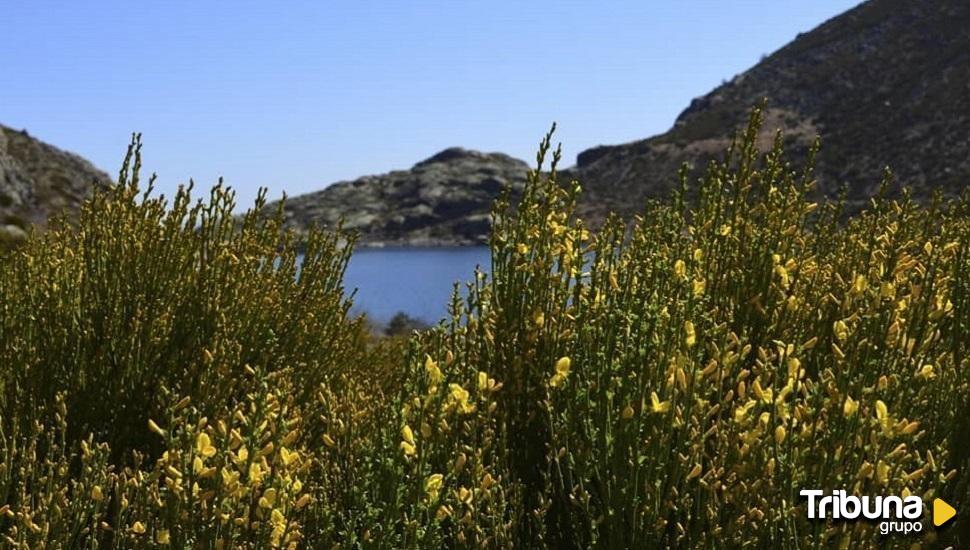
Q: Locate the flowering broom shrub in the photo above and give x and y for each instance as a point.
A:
(677, 381)
(144, 295)
(171, 377)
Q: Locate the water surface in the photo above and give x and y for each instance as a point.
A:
(417, 281)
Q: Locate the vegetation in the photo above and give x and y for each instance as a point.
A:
(171, 377)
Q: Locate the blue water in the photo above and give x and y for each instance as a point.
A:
(417, 281)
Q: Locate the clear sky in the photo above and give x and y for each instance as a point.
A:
(296, 95)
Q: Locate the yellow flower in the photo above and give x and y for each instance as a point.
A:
(699, 286)
(780, 435)
(328, 441)
(562, 365)
(302, 501)
(850, 406)
(882, 412)
(408, 448)
(782, 275)
(694, 472)
(859, 285)
(432, 486)
(487, 481)
(229, 478)
(763, 394)
(407, 434)
(155, 427)
(658, 406)
(242, 455)
(887, 290)
(163, 537)
(278, 521)
(689, 334)
(96, 494)
(431, 367)
(255, 473)
(741, 413)
(459, 397)
(627, 413)
(841, 330)
(680, 269)
(926, 372)
(204, 446)
(138, 528)
(408, 444)
(539, 319)
(882, 472)
(289, 457)
(268, 499)
(562, 371)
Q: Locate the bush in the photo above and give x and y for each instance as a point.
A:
(674, 381)
(144, 297)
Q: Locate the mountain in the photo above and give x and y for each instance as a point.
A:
(443, 200)
(37, 181)
(884, 84)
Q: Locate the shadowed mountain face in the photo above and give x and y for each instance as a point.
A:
(884, 84)
(38, 181)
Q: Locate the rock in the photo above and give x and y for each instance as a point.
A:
(442, 200)
(38, 181)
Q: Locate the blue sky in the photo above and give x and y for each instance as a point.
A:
(296, 95)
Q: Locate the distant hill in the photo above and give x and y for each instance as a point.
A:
(37, 181)
(885, 84)
(443, 200)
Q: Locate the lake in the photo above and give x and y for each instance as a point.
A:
(417, 281)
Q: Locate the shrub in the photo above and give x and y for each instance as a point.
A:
(673, 381)
(677, 381)
(144, 296)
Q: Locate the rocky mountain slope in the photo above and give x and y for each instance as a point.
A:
(884, 84)
(442, 200)
(38, 181)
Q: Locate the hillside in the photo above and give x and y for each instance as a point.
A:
(884, 84)
(37, 181)
(442, 200)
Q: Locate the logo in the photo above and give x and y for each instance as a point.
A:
(942, 512)
(895, 514)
